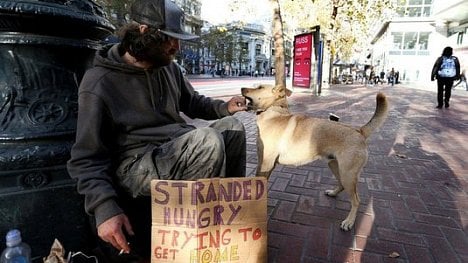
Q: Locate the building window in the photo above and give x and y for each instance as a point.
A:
(414, 8)
(258, 49)
(397, 40)
(245, 46)
(410, 40)
(423, 40)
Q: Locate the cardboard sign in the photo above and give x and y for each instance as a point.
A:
(209, 220)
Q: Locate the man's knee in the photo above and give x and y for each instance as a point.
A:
(229, 123)
(236, 124)
(208, 139)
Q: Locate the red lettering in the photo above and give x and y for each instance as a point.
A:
(244, 231)
(163, 232)
(256, 235)
(165, 253)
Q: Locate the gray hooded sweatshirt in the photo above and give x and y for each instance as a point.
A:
(122, 110)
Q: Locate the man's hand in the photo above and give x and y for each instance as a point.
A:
(111, 231)
(236, 104)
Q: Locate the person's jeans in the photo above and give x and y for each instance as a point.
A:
(218, 150)
(444, 85)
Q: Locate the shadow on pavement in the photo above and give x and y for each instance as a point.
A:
(413, 188)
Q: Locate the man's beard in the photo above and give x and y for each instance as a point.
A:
(154, 52)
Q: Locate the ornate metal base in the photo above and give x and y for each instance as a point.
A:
(45, 48)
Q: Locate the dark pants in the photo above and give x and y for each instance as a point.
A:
(444, 85)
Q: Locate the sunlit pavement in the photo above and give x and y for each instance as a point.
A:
(413, 190)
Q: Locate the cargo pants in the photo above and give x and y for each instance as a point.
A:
(218, 150)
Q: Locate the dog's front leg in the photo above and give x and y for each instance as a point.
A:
(265, 169)
(266, 162)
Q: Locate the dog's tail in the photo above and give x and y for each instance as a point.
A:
(379, 117)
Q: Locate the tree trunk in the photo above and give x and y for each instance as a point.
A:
(280, 78)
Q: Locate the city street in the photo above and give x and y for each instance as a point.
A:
(413, 190)
(224, 87)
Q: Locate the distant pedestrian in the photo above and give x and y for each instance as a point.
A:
(382, 76)
(367, 76)
(446, 69)
(391, 76)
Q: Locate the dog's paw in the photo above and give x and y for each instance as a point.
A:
(347, 224)
(334, 192)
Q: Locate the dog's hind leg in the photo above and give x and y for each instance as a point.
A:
(349, 180)
(348, 223)
(333, 164)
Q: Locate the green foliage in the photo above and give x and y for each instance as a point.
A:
(223, 45)
(345, 24)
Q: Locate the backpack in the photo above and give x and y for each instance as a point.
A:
(447, 68)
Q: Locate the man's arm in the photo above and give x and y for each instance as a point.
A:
(91, 166)
(195, 105)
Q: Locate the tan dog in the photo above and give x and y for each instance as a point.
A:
(298, 139)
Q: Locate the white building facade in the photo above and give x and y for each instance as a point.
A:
(416, 36)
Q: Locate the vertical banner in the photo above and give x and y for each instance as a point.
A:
(209, 220)
(303, 47)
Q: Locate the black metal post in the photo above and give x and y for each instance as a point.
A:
(45, 48)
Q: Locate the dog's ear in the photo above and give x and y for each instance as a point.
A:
(282, 91)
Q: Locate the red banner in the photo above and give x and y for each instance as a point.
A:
(302, 60)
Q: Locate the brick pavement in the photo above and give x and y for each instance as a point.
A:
(413, 189)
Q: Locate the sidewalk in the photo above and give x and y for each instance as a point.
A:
(413, 190)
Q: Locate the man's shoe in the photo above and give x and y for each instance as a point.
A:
(439, 107)
(447, 105)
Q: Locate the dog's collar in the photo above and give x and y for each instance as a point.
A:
(282, 107)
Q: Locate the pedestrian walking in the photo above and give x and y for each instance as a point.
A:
(446, 69)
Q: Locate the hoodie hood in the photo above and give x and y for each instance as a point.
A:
(109, 57)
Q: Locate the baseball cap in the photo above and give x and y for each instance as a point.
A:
(162, 14)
